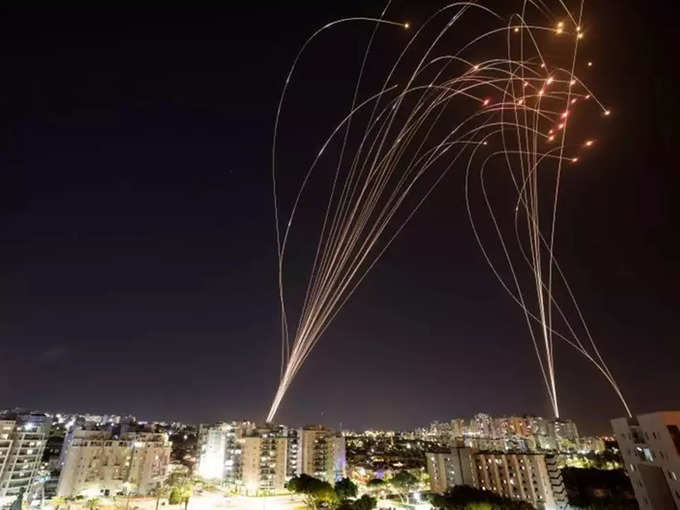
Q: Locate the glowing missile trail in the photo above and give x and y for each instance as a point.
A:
(397, 143)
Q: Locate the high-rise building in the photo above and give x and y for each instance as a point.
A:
(522, 477)
(220, 449)
(100, 464)
(650, 447)
(212, 450)
(265, 466)
(322, 453)
(22, 442)
(565, 433)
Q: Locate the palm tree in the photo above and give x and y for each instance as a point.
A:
(161, 492)
(92, 503)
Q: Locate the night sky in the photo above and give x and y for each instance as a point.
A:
(137, 269)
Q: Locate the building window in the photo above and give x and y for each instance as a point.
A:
(675, 435)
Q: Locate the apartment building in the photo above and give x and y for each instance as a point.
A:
(518, 476)
(100, 464)
(650, 447)
(22, 442)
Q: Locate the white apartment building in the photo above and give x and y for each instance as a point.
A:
(650, 447)
(97, 464)
(264, 468)
(213, 443)
(322, 453)
(22, 442)
(522, 477)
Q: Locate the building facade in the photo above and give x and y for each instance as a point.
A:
(507, 433)
(522, 477)
(99, 464)
(22, 442)
(265, 461)
(650, 447)
(322, 453)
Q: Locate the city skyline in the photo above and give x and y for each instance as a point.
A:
(139, 256)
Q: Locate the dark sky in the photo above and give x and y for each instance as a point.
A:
(137, 249)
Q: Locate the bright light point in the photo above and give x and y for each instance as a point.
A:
(551, 138)
(560, 24)
(588, 96)
(574, 160)
(590, 64)
(607, 112)
(550, 131)
(540, 92)
(564, 115)
(589, 143)
(484, 143)
(520, 101)
(579, 35)
(573, 101)
(476, 68)
(542, 66)
(486, 102)
(578, 28)
(549, 80)
(572, 82)
(525, 84)
(406, 25)
(560, 126)
(516, 29)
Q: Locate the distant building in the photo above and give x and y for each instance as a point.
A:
(22, 442)
(650, 447)
(523, 477)
(591, 444)
(481, 425)
(100, 464)
(531, 434)
(322, 453)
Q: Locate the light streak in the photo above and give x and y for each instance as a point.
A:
(399, 141)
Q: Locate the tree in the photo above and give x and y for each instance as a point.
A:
(92, 503)
(365, 502)
(403, 482)
(175, 497)
(345, 489)
(186, 492)
(463, 497)
(160, 492)
(315, 491)
(376, 485)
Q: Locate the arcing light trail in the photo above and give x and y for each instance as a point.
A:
(437, 108)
